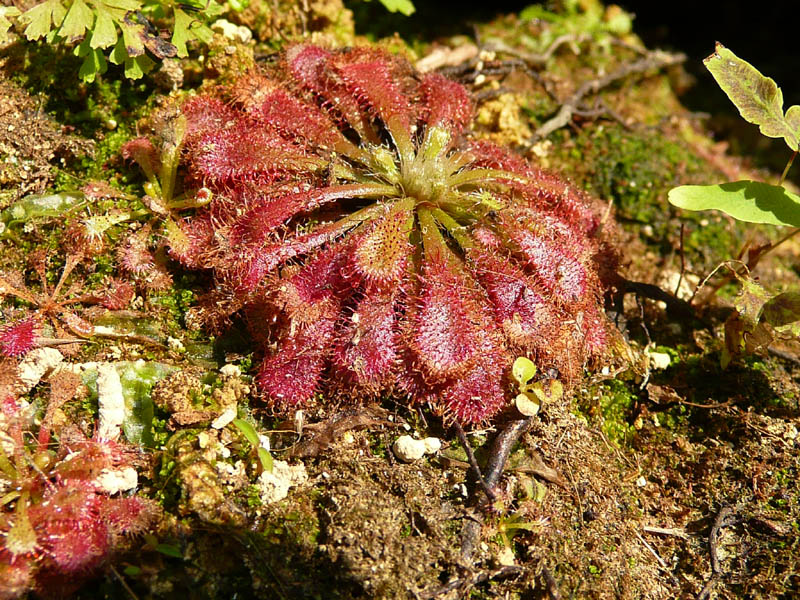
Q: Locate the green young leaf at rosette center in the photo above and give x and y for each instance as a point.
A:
(750, 201)
(758, 98)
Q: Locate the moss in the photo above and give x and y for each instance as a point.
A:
(609, 406)
(177, 301)
(636, 168)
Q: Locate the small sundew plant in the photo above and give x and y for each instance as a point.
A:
(373, 247)
(58, 524)
(760, 316)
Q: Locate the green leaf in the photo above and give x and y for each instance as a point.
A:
(94, 64)
(265, 458)
(6, 12)
(104, 34)
(758, 98)
(119, 54)
(213, 9)
(238, 5)
(137, 66)
(181, 34)
(248, 431)
(404, 7)
(169, 550)
(40, 17)
(201, 32)
(82, 49)
(39, 207)
(77, 20)
(138, 379)
(527, 404)
(793, 119)
(783, 309)
(132, 34)
(523, 370)
(125, 5)
(750, 201)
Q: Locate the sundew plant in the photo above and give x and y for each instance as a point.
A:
(374, 247)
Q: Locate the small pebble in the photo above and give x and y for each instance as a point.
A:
(408, 449)
(432, 445)
(659, 360)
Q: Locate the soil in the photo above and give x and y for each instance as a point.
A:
(614, 491)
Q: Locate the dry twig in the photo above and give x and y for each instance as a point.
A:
(465, 584)
(722, 520)
(654, 60)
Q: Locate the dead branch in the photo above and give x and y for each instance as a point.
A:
(722, 520)
(476, 470)
(498, 455)
(552, 586)
(653, 61)
(466, 583)
(533, 59)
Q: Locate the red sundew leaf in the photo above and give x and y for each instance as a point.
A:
(553, 261)
(118, 295)
(525, 316)
(197, 239)
(145, 154)
(254, 227)
(133, 254)
(309, 66)
(381, 253)
(19, 338)
(68, 527)
(250, 270)
(295, 120)
(594, 330)
(447, 103)
(247, 153)
(486, 237)
(76, 546)
(550, 193)
(315, 291)
(127, 515)
(205, 114)
(253, 256)
(366, 354)
(488, 155)
(444, 338)
(290, 377)
(16, 576)
(372, 82)
(475, 397)
(544, 191)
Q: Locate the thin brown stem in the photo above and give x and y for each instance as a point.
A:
(788, 166)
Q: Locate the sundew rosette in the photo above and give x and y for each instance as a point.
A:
(375, 247)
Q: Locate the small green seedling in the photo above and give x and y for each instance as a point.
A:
(760, 316)
(249, 432)
(510, 526)
(533, 393)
